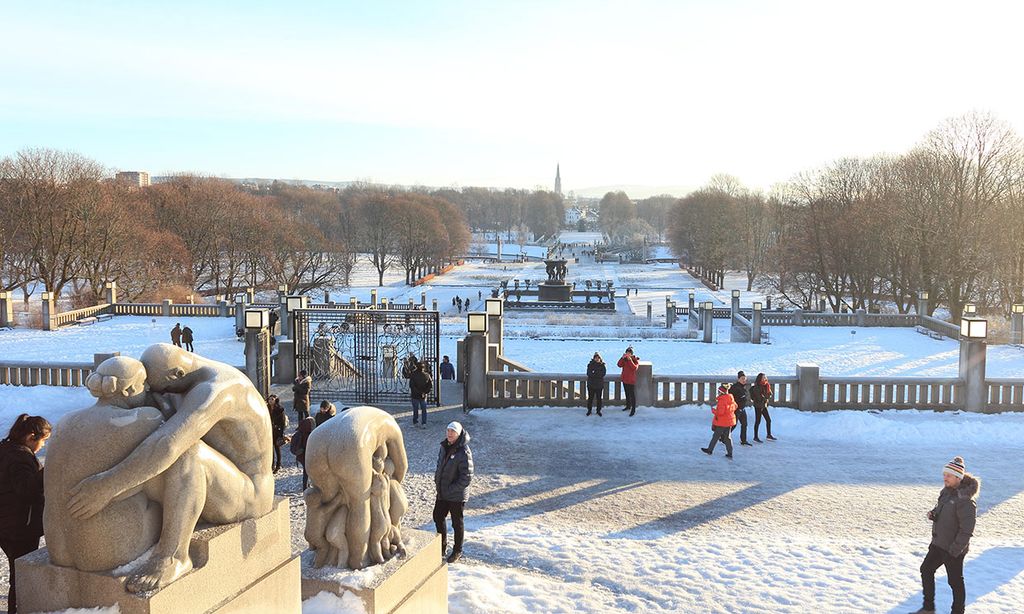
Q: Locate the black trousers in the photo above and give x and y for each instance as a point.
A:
(188, 346)
(759, 413)
(14, 548)
(594, 393)
(441, 511)
(630, 395)
(741, 421)
(937, 557)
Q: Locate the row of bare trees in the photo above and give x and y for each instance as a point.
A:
(946, 218)
(63, 224)
(508, 211)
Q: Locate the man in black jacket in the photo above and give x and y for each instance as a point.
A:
(596, 371)
(420, 386)
(738, 390)
(451, 478)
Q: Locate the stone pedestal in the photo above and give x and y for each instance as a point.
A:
(242, 567)
(549, 291)
(413, 583)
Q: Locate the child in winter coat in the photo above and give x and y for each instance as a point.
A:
(721, 426)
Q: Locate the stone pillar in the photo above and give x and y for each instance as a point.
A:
(734, 309)
(284, 368)
(798, 317)
(496, 332)
(239, 317)
(707, 317)
(460, 361)
(972, 372)
(223, 308)
(283, 319)
(476, 370)
(650, 312)
(645, 393)
(6, 309)
(433, 304)
(768, 303)
(1016, 327)
(808, 396)
(167, 307)
(373, 297)
(250, 295)
(755, 327)
(48, 311)
(922, 305)
(110, 289)
(423, 299)
(98, 358)
(821, 305)
(862, 318)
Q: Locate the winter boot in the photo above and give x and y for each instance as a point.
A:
(770, 438)
(454, 556)
(599, 412)
(706, 451)
(758, 440)
(590, 412)
(729, 456)
(632, 412)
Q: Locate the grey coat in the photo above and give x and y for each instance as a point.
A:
(454, 469)
(954, 516)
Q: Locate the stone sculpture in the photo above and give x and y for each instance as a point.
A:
(205, 454)
(355, 504)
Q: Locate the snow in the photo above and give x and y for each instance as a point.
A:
(328, 603)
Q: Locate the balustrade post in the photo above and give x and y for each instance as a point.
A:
(808, 377)
(972, 372)
(862, 318)
(798, 317)
(110, 290)
(645, 393)
(223, 306)
(755, 325)
(1017, 324)
(707, 316)
(166, 308)
(48, 311)
(6, 309)
(475, 345)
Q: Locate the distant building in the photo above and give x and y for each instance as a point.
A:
(558, 179)
(573, 215)
(136, 178)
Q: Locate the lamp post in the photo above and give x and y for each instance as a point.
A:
(475, 345)
(495, 309)
(922, 303)
(110, 288)
(291, 304)
(970, 309)
(48, 299)
(734, 307)
(6, 309)
(1017, 323)
(257, 348)
(755, 324)
(973, 332)
(707, 316)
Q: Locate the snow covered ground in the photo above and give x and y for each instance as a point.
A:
(575, 514)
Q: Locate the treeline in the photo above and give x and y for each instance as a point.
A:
(63, 223)
(508, 211)
(946, 218)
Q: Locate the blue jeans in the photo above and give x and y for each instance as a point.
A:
(419, 406)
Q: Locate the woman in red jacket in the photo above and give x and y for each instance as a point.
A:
(629, 363)
(722, 423)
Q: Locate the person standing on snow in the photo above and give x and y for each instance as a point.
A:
(722, 424)
(738, 390)
(953, 519)
(301, 388)
(596, 371)
(186, 338)
(629, 364)
(176, 335)
(760, 397)
(452, 477)
(447, 368)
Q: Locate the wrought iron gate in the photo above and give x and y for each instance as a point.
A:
(360, 355)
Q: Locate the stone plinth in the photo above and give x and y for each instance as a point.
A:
(554, 291)
(242, 567)
(413, 583)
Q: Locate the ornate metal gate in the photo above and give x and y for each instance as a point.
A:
(360, 355)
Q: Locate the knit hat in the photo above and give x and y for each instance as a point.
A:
(455, 426)
(740, 374)
(723, 388)
(955, 468)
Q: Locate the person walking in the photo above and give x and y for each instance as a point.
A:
(420, 386)
(176, 335)
(298, 446)
(301, 388)
(596, 371)
(760, 397)
(447, 368)
(723, 422)
(629, 364)
(326, 412)
(21, 493)
(953, 519)
(186, 338)
(278, 424)
(739, 393)
(452, 477)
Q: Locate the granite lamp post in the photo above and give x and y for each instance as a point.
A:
(973, 332)
(970, 309)
(922, 304)
(353, 302)
(47, 298)
(707, 316)
(289, 305)
(1017, 323)
(475, 347)
(6, 309)
(257, 349)
(494, 308)
(110, 292)
(755, 324)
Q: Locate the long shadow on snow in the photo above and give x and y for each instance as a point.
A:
(984, 574)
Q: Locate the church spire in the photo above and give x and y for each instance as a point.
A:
(558, 179)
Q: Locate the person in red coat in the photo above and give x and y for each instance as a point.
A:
(629, 363)
(721, 425)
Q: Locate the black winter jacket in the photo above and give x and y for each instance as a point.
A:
(739, 394)
(419, 384)
(596, 372)
(454, 469)
(760, 397)
(954, 516)
(21, 492)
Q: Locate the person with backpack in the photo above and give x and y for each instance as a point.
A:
(629, 363)
(298, 445)
(739, 393)
(21, 492)
(723, 422)
(420, 386)
(760, 397)
(596, 371)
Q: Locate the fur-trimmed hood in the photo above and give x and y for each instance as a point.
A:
(969, 488)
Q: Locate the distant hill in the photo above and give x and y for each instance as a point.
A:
(635, 191)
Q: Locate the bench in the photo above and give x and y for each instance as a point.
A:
(86, 321)
(929, 332)
(104, 317)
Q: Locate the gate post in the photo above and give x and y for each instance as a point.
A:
(257, 349)
(475, 345)
(284, 370)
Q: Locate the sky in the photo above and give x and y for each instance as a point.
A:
(640, 93)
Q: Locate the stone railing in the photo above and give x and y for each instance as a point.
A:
(196, 311)
(891, 393)
(942, 327)
(25, 373)
(678, 390)
(1005, 394)
(138, 309)
(511, 389)
(508, 365)
(70, 317)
